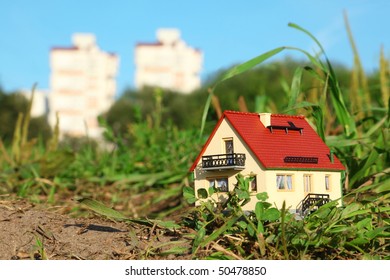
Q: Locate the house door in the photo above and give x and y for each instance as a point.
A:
(229, 151)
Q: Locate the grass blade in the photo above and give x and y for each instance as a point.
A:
(16, 140)
(101, 209)
(205, 112)
(340, 108)
(295, 87)
(219, 231)
(241, 68)
(384, 80)
(110, 213)
(27, 117)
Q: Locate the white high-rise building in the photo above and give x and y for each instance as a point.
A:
(168, 63)
(82, 85)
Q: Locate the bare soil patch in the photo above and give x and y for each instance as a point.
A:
(29, 231)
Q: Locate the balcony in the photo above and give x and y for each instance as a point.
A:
(224, 161)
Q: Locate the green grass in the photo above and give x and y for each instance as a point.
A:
(359, 230)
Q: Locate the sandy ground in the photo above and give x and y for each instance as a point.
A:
(29, 231)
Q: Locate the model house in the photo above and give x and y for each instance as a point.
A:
(282, 154)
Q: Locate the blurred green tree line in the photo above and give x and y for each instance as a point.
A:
(263, 89)
(13, 103)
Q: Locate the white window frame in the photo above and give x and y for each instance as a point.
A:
(284, 182)
(253, 184)
(328, 185)
(307, 183)
(225, 140)
(220, 183)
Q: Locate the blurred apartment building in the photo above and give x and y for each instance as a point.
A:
(82, 86)
(168, 63)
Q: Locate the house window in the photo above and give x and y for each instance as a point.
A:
(284, 182)
(327, 182)
(307, 183)
(254, 184)
(229, 146)
(220, 183)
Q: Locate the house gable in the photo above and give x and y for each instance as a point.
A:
(198, 158)
(215, 145)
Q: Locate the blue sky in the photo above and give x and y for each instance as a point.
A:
(227, 32)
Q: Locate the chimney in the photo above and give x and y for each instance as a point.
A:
(265, 119)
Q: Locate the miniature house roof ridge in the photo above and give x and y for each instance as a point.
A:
(264, 113)
(272, 114)
(238, 113)
(288, 116)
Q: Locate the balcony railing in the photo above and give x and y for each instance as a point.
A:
(224, 161)
(312, 202)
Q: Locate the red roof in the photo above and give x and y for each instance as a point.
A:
(153, 44)
(288, 143)
(64, 48)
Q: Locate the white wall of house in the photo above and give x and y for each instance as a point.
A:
(294, 196)
(266, 179)
(217, 146)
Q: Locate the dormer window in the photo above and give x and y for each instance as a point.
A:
(286, 128)
(229, 149)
